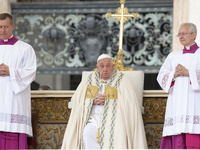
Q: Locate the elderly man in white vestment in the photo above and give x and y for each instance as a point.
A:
(180, 77)
(105, 113)
(17, 71)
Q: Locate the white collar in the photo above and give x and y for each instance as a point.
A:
(6, 40)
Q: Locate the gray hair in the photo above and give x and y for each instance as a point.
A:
(193, 28)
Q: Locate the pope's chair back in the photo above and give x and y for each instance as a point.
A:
(137, 79)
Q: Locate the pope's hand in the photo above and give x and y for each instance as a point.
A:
(99, 99)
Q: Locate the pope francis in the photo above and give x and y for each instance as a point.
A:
(105, 112)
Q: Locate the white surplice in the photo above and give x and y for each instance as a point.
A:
(182, 110)
(15, 99)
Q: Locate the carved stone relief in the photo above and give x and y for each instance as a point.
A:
(69, 39)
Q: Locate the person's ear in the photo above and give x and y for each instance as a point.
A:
(195, 35)
(13, 26)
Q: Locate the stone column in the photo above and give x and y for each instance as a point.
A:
(194, 12)
(185, 11)
(5, 6)
(180, 15)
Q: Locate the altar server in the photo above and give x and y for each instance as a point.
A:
(180, 77)
(17, 71)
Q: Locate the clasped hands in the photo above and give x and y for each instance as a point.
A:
(180, 70)
(4, 70)
(99, 99)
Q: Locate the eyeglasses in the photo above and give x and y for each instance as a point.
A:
(183, 34)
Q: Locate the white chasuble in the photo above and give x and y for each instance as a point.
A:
(182, 110)
(15, 99)
(121, 124)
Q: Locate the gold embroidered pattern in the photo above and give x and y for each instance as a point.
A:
(91, 92)
(98, 136)
(110, 92)
(104, 82)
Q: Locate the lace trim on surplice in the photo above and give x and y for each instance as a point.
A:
(182, 119)
(164, 80)
(15, 118)
(198, 76)
(17, 76)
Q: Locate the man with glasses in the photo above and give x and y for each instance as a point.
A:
(180, 77)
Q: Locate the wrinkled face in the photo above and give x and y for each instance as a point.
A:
(6, 29)
(186, 38)
(105, 68)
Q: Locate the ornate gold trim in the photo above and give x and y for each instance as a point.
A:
(52, 93)
(110, 92)
(91, 92)
(118, 63)
(122, 1)
(69, 94)
(53, 115)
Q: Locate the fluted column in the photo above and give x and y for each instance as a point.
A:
(194, 12)
(185, 11)
(5, 6)
(180, 15)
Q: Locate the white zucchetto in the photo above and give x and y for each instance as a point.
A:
(102, 56)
